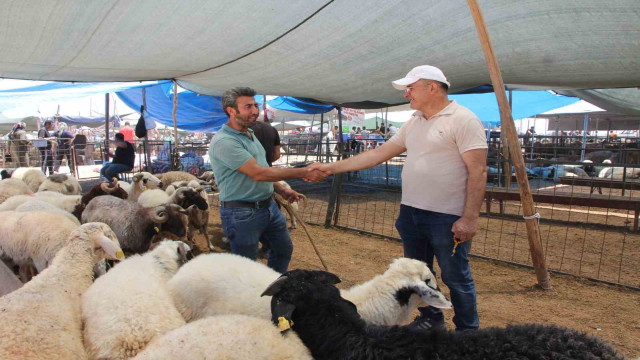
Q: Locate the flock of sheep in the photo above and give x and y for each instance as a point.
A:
(160, 302)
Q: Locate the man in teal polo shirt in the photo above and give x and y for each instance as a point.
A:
(246, 183)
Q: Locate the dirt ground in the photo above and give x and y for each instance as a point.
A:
(506, 294)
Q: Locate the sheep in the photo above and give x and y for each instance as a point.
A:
(64, 202)
(104, 188)
(119, 324)
(172, 176)
(39, 205)
(42, 320)
(11, 187)
(141, 182)
(61, 183)
(198, 216)
(135, 225)
(33, 177)
(227, 337)
(215, 284)
(184, 197)
(308, 303)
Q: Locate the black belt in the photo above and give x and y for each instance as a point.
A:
(262, 204)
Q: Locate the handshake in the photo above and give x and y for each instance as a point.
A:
(317, 172)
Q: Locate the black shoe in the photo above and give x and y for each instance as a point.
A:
(423, 322)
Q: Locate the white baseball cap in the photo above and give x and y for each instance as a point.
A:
(426, 72)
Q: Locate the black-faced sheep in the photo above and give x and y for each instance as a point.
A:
(217, 284)
(198, 216)
(135, 225)
(119, 324)
(226, 337)
(42, 320)
(309, 303)
(62, 183)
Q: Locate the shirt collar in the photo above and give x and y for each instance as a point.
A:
(448, 110)
(229, 129)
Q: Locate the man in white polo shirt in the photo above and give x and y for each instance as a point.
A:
(443, 183)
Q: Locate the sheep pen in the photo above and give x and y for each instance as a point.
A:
(506, 294)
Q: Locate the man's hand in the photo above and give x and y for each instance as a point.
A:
(317, 172)
(465, 228)
(290, 195)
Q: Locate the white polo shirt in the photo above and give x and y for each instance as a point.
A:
(434, 176)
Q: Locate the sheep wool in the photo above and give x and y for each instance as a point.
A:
(119, 324)
(11, 187)
(31, 176)
(42, 320)
(217, 284)
(227, 337)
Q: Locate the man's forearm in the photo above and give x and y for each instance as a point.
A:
(276, 174)
(475, 195)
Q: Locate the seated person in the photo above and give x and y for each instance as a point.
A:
(123, 160)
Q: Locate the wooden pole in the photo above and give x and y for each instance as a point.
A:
(176, 159)
(508, 127)
(106, 127)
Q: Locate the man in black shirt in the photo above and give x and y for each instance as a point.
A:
(46, 155)
(64, 138)
(123, 159)
(269, 138)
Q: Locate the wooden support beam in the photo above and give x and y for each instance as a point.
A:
(508, 127)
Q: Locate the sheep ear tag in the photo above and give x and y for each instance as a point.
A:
(113, 251)
(281, 313)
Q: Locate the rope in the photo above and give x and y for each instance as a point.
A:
(534, 216)
(291, 211)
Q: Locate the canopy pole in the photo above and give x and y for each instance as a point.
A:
(264, 108)
(321, 135)
(584, 136)
(176, 160)
(106, 125)
(508, 126)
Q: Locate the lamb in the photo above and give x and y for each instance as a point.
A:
(104, 188)
(33, 177)
(244, 337)
(135, 226)
(11, 187)
(215, 284)
(141, 182)
(61, 183)
(198, 216)
(119, 324)
(42, 320)
(310, 304)
(64, 202)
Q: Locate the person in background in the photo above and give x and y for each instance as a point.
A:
(443, 184)
(19, 145)
(64, 139)
(128, 132)
(392, 130)
(46, 153)
(123, 159)
(247, 183)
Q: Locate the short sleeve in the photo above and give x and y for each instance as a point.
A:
(276, 136)
(231, 153)
(400, 138)
(471, 135)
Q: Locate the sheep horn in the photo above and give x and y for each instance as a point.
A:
(275, 286)
(105, 187)
(137, 177)
(180, 193)
(159, 215)
(177, 208)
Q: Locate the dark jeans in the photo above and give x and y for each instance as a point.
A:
(110, 170)
(47, 160)
(60, 155)
(427, 233)
(245, 226)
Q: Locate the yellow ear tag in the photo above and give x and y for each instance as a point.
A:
(284, 324)
(156, 229)
(119, 255)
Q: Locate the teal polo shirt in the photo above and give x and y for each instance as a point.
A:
(229, 150)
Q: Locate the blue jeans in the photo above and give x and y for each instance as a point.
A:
(110, 170)
(427, 233)
(245, 226)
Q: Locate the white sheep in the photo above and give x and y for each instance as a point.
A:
(62, 183)
(64, 202)
(216, 284)
(12, 187)
(141, 181)
(39, 205)
(227, 337)
(33, 237)
(42, 320)
(119, 324)
(33, 177)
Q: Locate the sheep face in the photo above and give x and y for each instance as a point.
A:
(418, 280)
(174, 223)
(147, 180)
